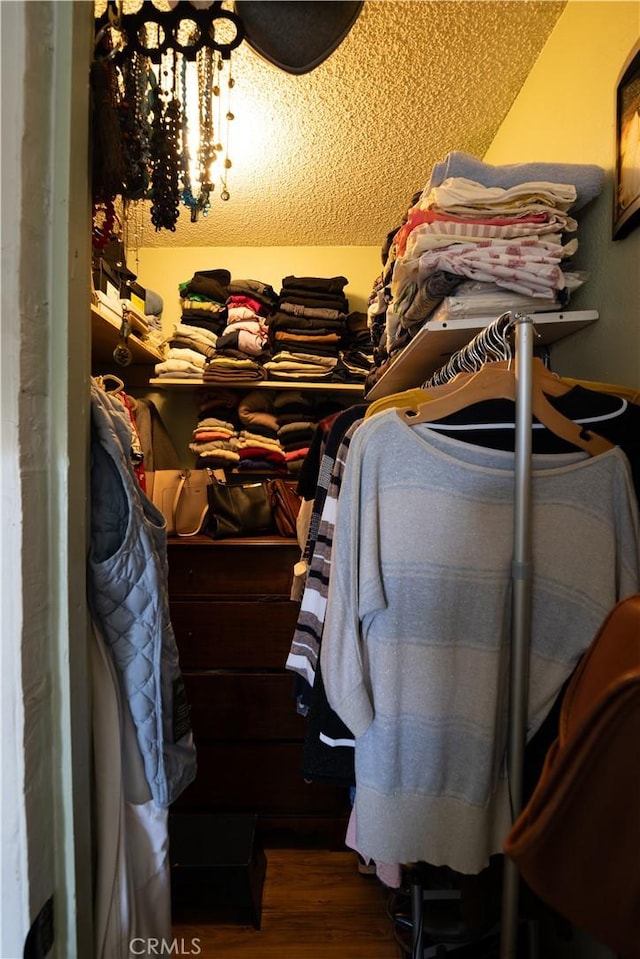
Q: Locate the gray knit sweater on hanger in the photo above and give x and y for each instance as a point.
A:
(415, 649)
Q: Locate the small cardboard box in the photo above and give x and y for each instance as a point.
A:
(106, 280)
(136, 293)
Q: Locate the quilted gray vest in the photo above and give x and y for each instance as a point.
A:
(129, 600)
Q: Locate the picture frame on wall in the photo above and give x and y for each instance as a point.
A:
(626, 204)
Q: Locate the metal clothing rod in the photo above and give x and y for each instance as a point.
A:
(521, 617)
(490, 344)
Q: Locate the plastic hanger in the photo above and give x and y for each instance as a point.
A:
(111, 383)
(491, 383)
(491, 343)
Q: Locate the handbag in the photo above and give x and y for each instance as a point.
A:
(285, 503)
(576, 841)
(191, 504)
(242, 509)
(181, 497)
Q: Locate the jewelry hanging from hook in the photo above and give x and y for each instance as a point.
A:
(229, 117)
(168, 70)
(165, 140)
(206, 145)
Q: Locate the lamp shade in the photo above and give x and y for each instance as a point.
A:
(296, 37)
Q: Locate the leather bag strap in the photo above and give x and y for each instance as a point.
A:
(184, 476)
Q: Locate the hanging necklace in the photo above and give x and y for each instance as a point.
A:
(206, 149)
(134, 124)
(165, 194)
(185, 157)
(229, 116)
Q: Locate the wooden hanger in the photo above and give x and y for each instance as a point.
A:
(495, 381)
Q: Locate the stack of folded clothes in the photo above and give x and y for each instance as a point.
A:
(186, 352)
(296, 438)
(182, 363)
(213, 443)
(297, 419)
(259, 452)
(502, 234)
(243, 345)
(249, 305)
(356, 357)
(258, 446)
(243, 331)
(204, 300)
(298, 414)
(258, 431)
(217, 428)
(309, 328)
(203, 317)
(258, 296)
(223, 368)
(514, 237)
(256, 412)
(292, 406)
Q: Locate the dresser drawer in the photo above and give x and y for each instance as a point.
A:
(228, 634)
(232, 568)
(234, 623)
(242, 706)
(257, 777)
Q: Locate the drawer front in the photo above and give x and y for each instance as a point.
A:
(224, 634)
(257, 777)
(238, 568)
(243, 706)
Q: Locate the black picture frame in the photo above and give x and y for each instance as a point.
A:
(626, 200)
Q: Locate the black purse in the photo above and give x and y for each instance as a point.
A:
(242, 509)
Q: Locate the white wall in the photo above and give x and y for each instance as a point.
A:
(14, 911)
(565, 112)
(45, 361)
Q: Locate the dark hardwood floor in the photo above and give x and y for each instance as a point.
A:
(316, 905)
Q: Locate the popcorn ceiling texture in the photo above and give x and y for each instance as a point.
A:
(334, 156)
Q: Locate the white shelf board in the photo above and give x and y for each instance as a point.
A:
(105, 336)
(432, 346)
(169, 382)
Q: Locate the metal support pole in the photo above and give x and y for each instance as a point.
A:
(521, 617)
(417, 940)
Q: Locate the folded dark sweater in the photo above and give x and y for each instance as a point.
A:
(330, 284)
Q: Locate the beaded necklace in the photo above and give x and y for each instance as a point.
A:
(206, 151)
(166, 126)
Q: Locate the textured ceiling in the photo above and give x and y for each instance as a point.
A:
(332, 157)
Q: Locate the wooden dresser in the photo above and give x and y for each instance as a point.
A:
(233, 622)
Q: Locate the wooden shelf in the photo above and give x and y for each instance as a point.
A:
(266, 541)
(167, 382)
(105, 336)
(432, 346)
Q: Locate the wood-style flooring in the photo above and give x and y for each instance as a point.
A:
(316, 905)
